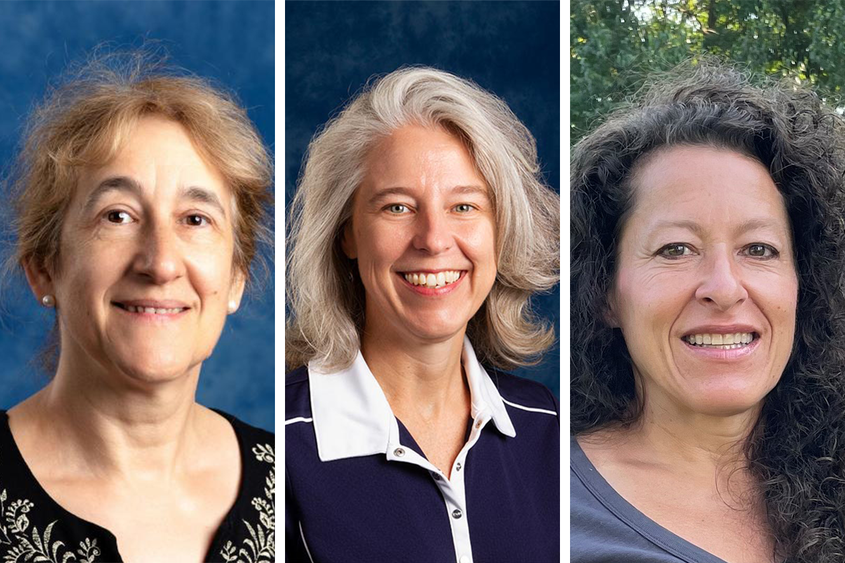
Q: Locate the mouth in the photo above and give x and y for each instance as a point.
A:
(734, 341)
(433, 280)
(149, 309)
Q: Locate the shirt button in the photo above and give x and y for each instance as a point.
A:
(457, 513)
(399, 452)
(478, 424)
(458, 466)
(436, 476)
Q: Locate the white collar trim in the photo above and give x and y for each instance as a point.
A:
(352, 417)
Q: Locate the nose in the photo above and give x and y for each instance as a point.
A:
(721, 284)
(433, 233)
(158, 258)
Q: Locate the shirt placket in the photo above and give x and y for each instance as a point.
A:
(453, 490)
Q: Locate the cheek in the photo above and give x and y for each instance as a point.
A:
(480, 243)
(211, 274)
(643, 305)
(380, 243)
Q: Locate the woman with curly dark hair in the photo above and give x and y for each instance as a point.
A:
(707, 393)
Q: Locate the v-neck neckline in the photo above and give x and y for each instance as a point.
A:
(20, 463)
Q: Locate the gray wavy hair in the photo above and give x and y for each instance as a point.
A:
(324, 293)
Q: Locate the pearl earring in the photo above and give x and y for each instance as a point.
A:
(233, 306)
(48, 301)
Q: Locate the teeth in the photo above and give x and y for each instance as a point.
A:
(433, 280)
(152, 310)
(723, 341)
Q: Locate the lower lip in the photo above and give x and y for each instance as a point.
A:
(152, 317)
(432, 291)
(723, 355)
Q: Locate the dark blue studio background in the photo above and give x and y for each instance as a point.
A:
(509, 48)
(230, 42)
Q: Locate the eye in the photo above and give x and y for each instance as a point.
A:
(675, 250)
(760, 250)
(118, 217)
(397, 208)
(464, 207)
(196, 220)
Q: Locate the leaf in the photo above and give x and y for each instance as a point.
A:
(47, 532)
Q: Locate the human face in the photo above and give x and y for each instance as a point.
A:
(706, 251)
(422, 210)
(151, 229)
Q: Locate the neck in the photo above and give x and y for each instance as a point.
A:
(112, 426)
(422, 380)
(695, 444)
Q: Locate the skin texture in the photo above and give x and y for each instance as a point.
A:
(154, 244)
(707, 245)
(709, 277)
(116, 437)
(433, 224)
(422, 207)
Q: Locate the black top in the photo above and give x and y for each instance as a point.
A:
(33, 527)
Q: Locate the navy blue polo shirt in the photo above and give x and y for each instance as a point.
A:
(359, 489)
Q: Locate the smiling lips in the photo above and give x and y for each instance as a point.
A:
(151, 308)
(723, 341)
(433, 280)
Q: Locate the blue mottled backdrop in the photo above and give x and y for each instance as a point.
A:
(509, 48)
(231, 42)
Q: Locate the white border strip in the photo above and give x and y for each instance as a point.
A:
(298, 419)
(530, 409)
(308, 551)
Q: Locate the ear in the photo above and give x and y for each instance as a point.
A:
(39, 279)
(347, 241)
(236, 291)
(609, 313)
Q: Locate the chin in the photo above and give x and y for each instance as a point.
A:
(436, 333)
(728, 402)
(154, 370)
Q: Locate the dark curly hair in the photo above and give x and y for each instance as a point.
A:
(797, 449)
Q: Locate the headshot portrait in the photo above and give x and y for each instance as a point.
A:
(707, 251)
(138, 228)
(707, 385)
(422, 236)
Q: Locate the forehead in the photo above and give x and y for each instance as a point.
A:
(417, 156)
(160, 156)
(710, 187)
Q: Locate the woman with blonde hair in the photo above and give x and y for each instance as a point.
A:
(421, 226)
(140, 198)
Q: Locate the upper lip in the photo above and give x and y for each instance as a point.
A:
(153, 303)
(721, 329)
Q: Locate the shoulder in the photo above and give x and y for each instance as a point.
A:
(251, 521)
(297, 395)
(256, 444)
(521, 393)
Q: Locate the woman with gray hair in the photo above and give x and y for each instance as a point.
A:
(420, 228)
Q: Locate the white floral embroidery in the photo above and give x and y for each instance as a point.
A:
(261, 545)
(22, 543)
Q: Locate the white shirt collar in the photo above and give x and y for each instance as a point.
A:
(352, 417)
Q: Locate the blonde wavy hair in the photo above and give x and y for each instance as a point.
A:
(84, 121)
(325, 295)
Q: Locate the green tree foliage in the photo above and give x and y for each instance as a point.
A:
(615, 44)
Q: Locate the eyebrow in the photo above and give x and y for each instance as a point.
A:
(401, 190)
(744, 227)
(129, 185)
